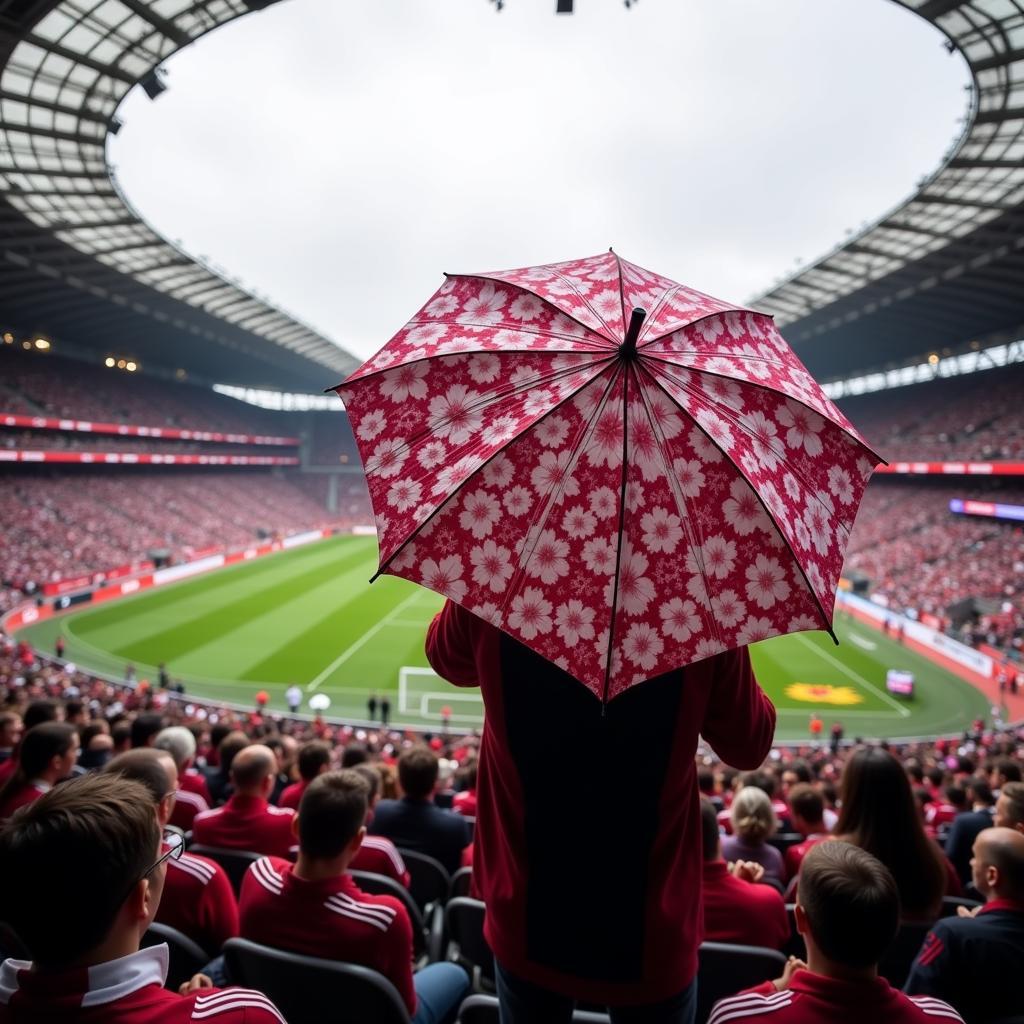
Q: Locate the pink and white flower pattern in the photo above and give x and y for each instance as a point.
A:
(492, 429)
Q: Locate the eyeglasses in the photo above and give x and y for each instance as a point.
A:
(175, 843)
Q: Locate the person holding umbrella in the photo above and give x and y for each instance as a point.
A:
(618, 483)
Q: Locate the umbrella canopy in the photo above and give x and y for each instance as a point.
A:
(621, 472)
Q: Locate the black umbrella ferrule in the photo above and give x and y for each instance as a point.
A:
(627, 350)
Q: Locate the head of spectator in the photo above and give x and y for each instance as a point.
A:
(935, 776)
(1010, 807)
(353, 754)
(179, 743)
(979, 792)
(372, 778)
(154, 769)
(417, 772)
(230, 747)
(121, 734)
(40, 711)
(956, 797)
(997, 867)
(763, 780)
(146, 728)
(1003, 771)
(253, 770)
(76, 713)
(807, 810)
(11, 728)
(797, 772)
(711, 838)
(706, 782)
(753, 819)
(330, 823)
(217, 735)
(879, 814)
(48, 755)
(104, 826)
(314, 759)
(97, 745)
(848, 910)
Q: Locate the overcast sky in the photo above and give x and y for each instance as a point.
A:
(338, 156)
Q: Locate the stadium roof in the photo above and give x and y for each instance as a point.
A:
(77, 261)
(946, 267)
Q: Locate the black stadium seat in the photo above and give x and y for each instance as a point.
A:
(428, 880)
(461, 882)
(782, 841)
(308, 990)
(897, 959)
(464, 925)
(726, 969)
(186, 957)
(484, 1010)
(234, 862)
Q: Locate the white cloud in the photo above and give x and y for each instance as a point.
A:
(339, 157)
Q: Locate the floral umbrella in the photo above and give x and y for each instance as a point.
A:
(621, 472)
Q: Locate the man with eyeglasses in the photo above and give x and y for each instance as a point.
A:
(198, 898)
(89, 865)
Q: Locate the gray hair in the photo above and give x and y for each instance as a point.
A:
(178, 742)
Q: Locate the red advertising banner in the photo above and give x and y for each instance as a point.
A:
(954, 468)
(127, 430)
(146, 458)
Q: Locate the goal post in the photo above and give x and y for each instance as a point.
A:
(422, 693)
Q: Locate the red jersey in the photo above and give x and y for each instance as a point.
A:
(193, 782)
(198, 900)
(815, 999)
(125, 991)
(331, 918)
(465, 803)
(794, 855)
(19, 798)
(937, 814)
(246, 823)
(187, 804)
(291, 795)
(7, 768)
(597, 897)
(379, 855)
(742, 912)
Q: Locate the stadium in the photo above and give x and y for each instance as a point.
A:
(176, 553)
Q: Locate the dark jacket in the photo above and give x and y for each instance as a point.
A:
(419, 825)
(959, 843)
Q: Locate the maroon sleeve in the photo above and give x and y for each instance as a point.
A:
(739, 721)
(451, 645)
(218, 912)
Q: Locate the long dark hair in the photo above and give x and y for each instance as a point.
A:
(879, 814)
(39, 746)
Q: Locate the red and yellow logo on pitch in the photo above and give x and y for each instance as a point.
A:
(821, 693)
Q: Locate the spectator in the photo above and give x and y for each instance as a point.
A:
(544, 854)
(197, 899)
(1004, 771)
(464, 801)
(314, 907)
(286, 753)
(354, 754)
(966, 826)
(753, 821)
(807, 813)
(10, 735)
(48, 755)
(218, 779)
(88, 968)
(413, 822)
(145, 729)
(121, 736)
(377, 853)
(180, 744)
(941, 814)
(973, 960)
(1010, 807)
(40, 711)
(736, 908)
(248, 821)
(97, 750)
(848, 913)
(878, 813)
(314, 760)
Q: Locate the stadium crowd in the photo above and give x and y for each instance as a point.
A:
(939, 822)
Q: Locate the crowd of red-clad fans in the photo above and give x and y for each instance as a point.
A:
(315, 802)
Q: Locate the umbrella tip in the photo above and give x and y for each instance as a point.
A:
(628, 348)
(610, 249)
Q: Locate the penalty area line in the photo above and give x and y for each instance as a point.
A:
(361, 642)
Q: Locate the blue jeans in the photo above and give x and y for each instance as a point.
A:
(521, 1002)
(440, 989)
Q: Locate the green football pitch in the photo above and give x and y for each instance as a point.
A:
(309, 616)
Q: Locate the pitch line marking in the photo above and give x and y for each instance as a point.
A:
(368, 635)
(855, 676)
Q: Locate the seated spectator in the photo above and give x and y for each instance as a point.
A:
(248, 821)
(218, 778)
(413, 822)
(377, 854)
(47, 756)
(198, 898)
(314, 760)
(464, 801)
(736, 908)
(807, 813)
(974, 960)
(708, 788)
(145, 729)
(942, 813)
(753, 821)
(966, 826)
(86, 966)
(11, 729)
(1003, 771)
(848, 913)
(314, 907)
(1010, 807)
(180, 744)
(878, 814)
(97, 750)
(286, 750)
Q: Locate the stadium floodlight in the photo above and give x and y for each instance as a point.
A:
(154, 83)
(42, 344)
(109, 362)
(131, 366)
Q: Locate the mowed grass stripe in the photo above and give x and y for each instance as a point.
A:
(198, 619)
(310, 651)
(281, 615)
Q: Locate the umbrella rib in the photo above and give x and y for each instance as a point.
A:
(622, 292)
(609, 657)
(700, 320)
(767, 511)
